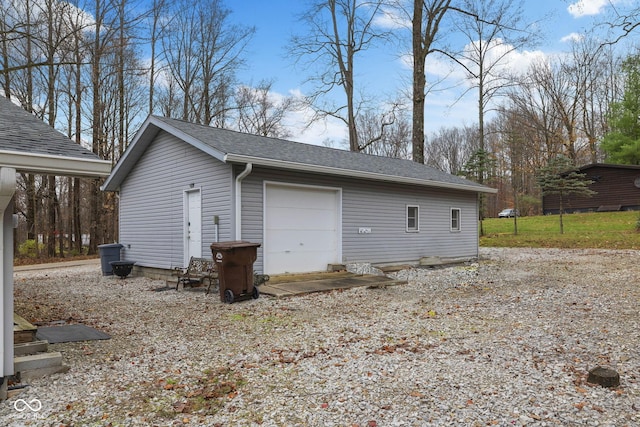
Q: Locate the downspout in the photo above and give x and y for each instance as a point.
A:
(247, 170)
(7, 190)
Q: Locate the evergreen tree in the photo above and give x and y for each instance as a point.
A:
(561, 177)
(480, 168)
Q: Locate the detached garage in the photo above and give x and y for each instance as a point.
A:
(183, 186)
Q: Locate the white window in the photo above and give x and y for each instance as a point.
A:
(413, 223)
(455, 219)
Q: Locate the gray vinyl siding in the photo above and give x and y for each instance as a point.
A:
(381, 207)
(152, 197)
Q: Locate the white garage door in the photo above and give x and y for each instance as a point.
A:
(302, 229)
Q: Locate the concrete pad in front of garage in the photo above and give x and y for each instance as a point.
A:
(281, 287)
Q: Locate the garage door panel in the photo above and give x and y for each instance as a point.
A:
(295, 262)
(302, 240)
(301, 229)
(283, 218)
(294, 197)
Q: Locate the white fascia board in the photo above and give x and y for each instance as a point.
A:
(188, 138)
(353, 173)
(54, 165)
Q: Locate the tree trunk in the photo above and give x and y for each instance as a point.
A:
(75, 213)
(97, 134)
(606, 377)
(419, 83)
(5, 61)
(561, 212)
(51, 216)
(52, 198)
(76, 230)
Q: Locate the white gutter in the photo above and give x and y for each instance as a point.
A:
(353, 173)
(247, 170)
(54, 165)
(7, 190)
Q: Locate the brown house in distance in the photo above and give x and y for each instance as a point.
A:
(617, 188)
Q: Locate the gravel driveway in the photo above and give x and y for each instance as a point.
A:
(507, 341)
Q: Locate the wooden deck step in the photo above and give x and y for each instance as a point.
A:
(23, 331)
(22, 349)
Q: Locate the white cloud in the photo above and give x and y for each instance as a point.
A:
(503, 58)
(390, 19)
(319, 132)
(330, 131)
(588, 7)
(573, 37)
(520, 61)
(442, 69)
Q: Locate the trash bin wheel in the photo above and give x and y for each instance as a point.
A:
(228, 296)
(256, 293)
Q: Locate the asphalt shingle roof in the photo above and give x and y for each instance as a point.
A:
(24, 133)
(240, 144)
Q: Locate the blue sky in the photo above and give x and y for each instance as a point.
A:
(383, 70)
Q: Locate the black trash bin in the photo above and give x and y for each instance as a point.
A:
(108, 253)
(235, 269)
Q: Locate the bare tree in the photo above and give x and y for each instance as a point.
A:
(338, 32)
(10, 28)
(20, 22)
(181, 58)
(54, 33)
(562, 84)
(426, 18)
(156, 29)
(450, 148)
(620, 20)
(76, 60)
(202, 51)
(109, 54)
(389, 134)
(261, 112)
(536, 114)
(494, 30)
(598, 84)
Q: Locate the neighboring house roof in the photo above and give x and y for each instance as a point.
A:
(235, 147)
(608, 165)
(27, 144)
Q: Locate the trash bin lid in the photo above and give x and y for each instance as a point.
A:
(222, 246)
(111, 245)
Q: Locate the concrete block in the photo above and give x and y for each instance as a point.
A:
(37, 361)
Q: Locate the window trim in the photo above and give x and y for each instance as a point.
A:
(459, 219)
(416, 228)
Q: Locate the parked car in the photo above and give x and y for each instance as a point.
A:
(508, 213)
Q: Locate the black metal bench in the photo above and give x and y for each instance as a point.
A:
(198, 270)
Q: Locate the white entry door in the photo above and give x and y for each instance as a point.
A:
(193, 225)
(302, 228)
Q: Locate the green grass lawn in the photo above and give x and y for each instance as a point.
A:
(611, 230)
